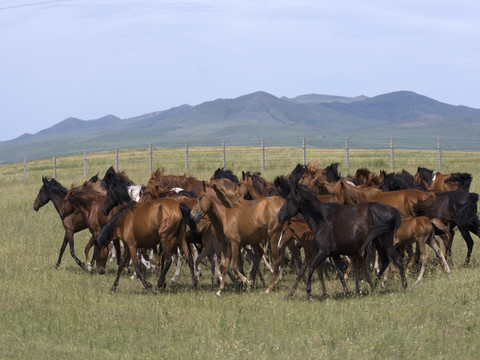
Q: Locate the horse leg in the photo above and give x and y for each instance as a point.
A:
(447, 243)
(257, 257)
(397, 260)
(62, 249)
(226, 256)
(338, 264)
(433, 244)
(321, 256)
(167, 262)
(88, 246)
(137, 264)
(178, 268)
(181, 238)
(423, 259)
(235, 254)
(121, 266)
(297, 280)
(276, 259)
(469, 241)
(383, 257)
(116, 245)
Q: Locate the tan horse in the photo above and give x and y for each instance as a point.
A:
(420, 230)
(241, 222)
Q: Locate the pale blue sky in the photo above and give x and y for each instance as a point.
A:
(87, 59)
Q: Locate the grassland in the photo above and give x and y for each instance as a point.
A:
(66, 313)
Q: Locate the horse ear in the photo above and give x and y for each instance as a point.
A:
(243, 175)
(204, 185)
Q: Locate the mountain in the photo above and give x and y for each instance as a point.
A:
(415, 121)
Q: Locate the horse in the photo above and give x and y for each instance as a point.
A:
(119, 189)
(365, 177)
(222, 173)
(421, 230)
(145, 225)
(318, 178)
(397, 181)
(343, 229)
(433, 180)
(184, 182)
(88, 200)
(53, 191)
(241, 222)
(410, 202)
(457, 208)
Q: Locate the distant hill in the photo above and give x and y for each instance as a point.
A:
(415, 121)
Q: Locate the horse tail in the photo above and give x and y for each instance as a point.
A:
(386, 219)
(107, 231)
(467, 213)
(425, 206)
(196, 235)
(439, 227)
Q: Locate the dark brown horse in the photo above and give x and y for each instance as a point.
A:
(88, 200)
(53, 191)
(145, 225)
(433, 180)
(241, 222)
(343, 229)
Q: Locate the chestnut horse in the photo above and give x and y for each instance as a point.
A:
(410, 202)
(241, 222)
(433, 180)
(145, 225)
(53, 191)
(343, 229)
(421, 230)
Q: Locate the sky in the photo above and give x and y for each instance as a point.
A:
(87, 59)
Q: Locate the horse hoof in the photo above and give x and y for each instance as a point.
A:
(218, 293)
(57, 266)
(309, 298)
(267, 291)
(113, 289)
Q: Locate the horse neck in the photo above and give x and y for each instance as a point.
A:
(56, 197)
(218, 211)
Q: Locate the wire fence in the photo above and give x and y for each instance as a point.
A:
(266, 158)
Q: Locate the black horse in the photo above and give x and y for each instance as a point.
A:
(343, 229)
(55, 192)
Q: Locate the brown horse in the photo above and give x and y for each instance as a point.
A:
(242, 222)
(365, 177)
(88, 200)
(421, 230)
(410, 202)
(145, 225)
(433, 180)
(52, 190)
(169, 182)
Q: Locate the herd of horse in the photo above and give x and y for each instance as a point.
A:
(368, 220)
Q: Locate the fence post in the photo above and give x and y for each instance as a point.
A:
(304, 148)
(263, 154)
(439, 147)
(54, 166)
(25, 169)
(85, 164)
(223, 153)
(116, 159)
(186, 157)
(392, 159)
(150, 150)
(347, 154)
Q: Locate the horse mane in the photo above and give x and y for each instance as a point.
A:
(360, 176)
(228, 200)
(397, 181)
(222, 173)
(297, 173)
(282, 186)
(85, 193)
(332, 173)
(259, 184)
(54, 186)
(464, 180)
(350, 194)
(423, 175)
(317, 206)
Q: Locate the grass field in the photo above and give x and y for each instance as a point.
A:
(66, 313)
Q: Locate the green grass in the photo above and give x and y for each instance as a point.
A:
(66, 313)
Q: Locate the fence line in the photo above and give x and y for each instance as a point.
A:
(262, 152)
